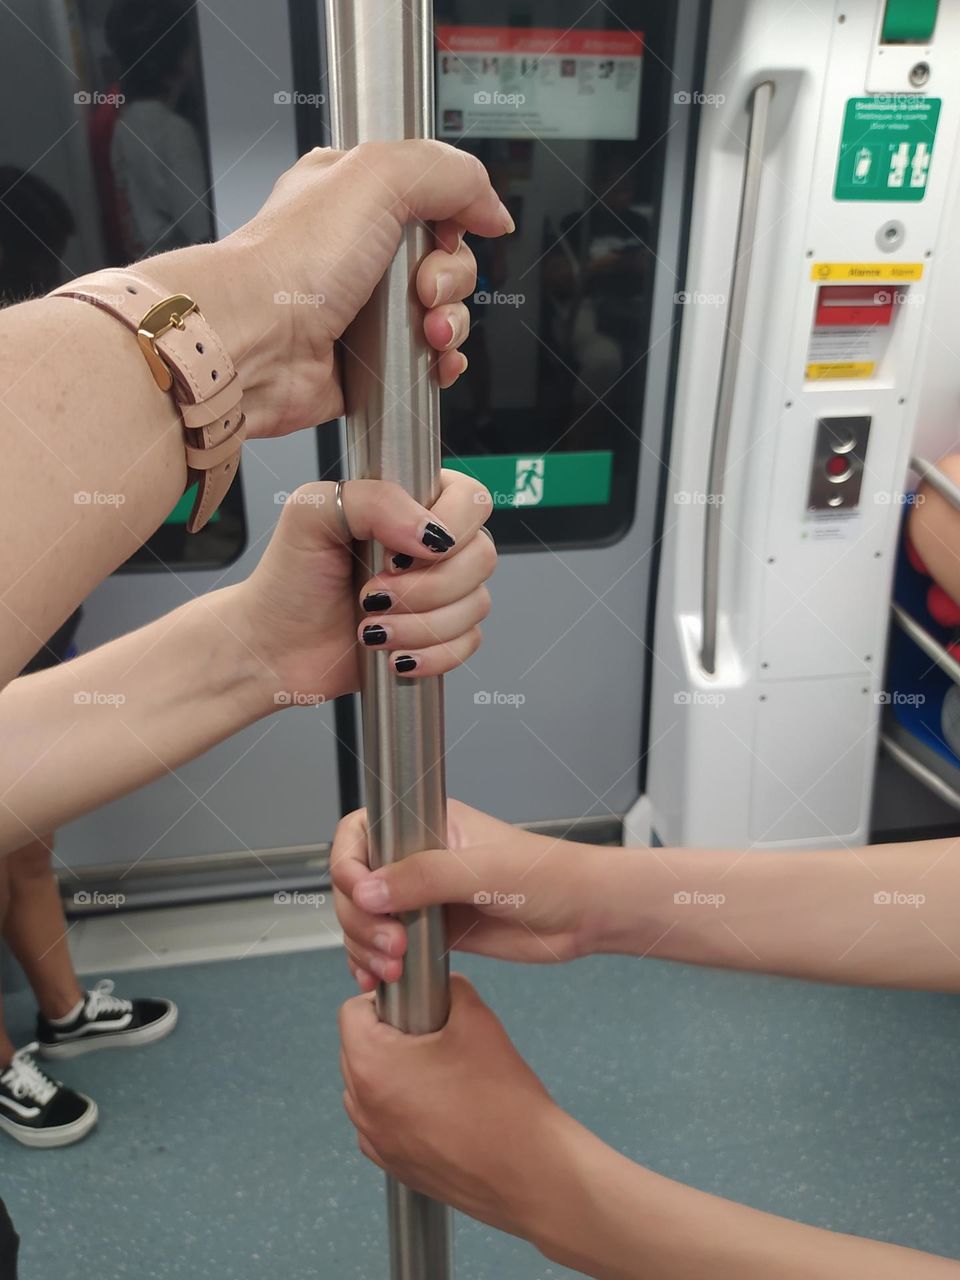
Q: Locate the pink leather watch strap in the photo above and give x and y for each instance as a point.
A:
(204, 380)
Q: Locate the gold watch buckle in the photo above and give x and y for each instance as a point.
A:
(166, 315)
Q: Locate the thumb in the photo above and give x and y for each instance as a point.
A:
(436, 877)
(464, 998)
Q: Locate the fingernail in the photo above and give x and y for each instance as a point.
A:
(371, 894)
(402, 561)
(444, 288)
(451, 341)
(381, 941)
(373, 635)
(505, 218)
(377, 602)
(436, 539)
(379, 966)
(405, 663)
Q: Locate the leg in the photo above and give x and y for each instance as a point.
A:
(36, 930)
(7, 1049)
(9, 1245)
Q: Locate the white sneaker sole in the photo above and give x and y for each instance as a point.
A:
(59, 1137)
(158, 1030)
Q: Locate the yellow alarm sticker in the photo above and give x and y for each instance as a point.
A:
(826, 272)
(840, 369)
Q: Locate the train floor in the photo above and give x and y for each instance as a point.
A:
(223, 1152)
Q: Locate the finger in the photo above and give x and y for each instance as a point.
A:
(439, 659)
(431, 182)
(421, 630)
(362, 959)
(363, 1142)
(464, 505)
(447, 327)
(377, 509)
(370, 933)
(447, 277)
(370, 1151)
(383, 511)
(448, 235)
(346, 1072)
(438, 876)
(350, 851)
(365, 981)
(357, 1019)
(431, 587)
(450, 366)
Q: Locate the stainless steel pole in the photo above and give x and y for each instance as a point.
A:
(380, 79)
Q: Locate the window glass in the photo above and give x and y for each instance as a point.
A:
(567, 109)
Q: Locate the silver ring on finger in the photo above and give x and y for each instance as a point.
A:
(341, 513)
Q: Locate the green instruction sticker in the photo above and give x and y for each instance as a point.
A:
(886, 147)
(181, 512)
(548, 480)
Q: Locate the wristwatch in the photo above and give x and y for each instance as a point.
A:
(186, 357)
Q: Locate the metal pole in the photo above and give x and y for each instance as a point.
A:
(380, 77)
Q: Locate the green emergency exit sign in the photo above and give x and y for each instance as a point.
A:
(886, 147)
(547, 480)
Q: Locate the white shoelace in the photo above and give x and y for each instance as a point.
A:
(100, 1000)
(24, 1078)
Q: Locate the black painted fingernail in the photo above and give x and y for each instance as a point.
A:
(402, 561)
(377, 602)
(437, 539)
(373, 635)
(405, 663)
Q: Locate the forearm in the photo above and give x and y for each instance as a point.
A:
(885, 915)
(614, 1220)
(93, 450)
(82, 734)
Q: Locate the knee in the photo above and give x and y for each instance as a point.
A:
(32, 862)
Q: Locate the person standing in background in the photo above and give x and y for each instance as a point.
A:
(157, 163)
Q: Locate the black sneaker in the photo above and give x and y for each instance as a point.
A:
(107, 1022)
(38, 1111)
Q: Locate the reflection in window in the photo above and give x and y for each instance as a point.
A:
(145, 121)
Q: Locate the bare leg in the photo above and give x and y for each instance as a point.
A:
(36, 930)
(7, 1049)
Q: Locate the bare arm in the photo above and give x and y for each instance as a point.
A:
(614, 1220)
(80, 412)
(440, 1127)
(95, 728)
(886, 915)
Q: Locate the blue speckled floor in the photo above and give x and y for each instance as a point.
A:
(224, 1153)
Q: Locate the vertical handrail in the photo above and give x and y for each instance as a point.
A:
(931, 474)
(380, 75)
(730, 360)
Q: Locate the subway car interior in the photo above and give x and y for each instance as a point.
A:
(709, 412)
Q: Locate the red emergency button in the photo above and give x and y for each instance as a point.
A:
(854, 306)
(838, 468)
